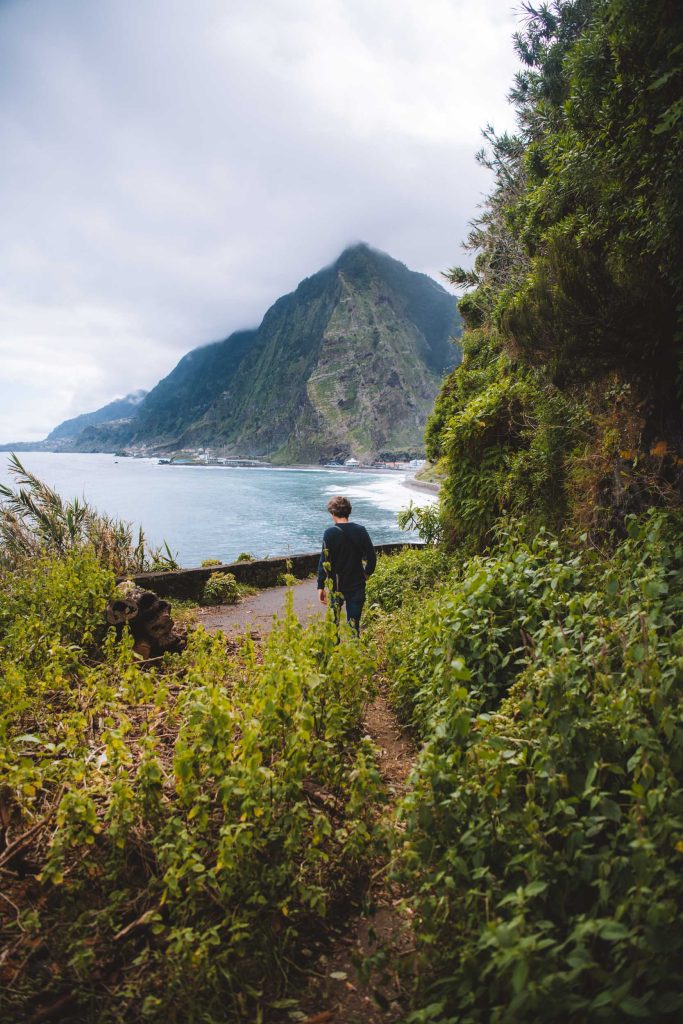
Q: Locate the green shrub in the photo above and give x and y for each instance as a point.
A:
(220, 588)
(245, 556)
(51, 622)
(398, 578)
(287, 579)
(543, 836)
(162, 559)
(477, 625)
(208, 562)
(505, 435)
(424, 519)
(182, 827)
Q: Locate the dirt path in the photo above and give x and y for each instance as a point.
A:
(255, 613)
(334, 991)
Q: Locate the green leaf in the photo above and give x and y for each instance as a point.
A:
(633, 1007)
(520, 975)
(669, 1002)
(613, 931)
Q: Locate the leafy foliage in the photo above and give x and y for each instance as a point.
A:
(400, 577)
(505, 436)
(220, 588)
(543, 831)
(169, 832)
(422, 518)
(569, 398)
(601, 213)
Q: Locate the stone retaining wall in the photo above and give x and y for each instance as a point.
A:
(188, 584)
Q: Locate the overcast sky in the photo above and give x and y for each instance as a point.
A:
(169, 168)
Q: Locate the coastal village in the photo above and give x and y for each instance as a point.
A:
(209, 457)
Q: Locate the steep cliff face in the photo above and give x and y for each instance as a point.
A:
(263, 405)
(374, 381)
(347, 364)
(193, 385)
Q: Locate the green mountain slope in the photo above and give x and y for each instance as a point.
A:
(348, 364)
(187, 392)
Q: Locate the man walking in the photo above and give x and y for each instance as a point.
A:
(346, 546)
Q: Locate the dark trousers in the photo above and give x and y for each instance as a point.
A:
(354, 602)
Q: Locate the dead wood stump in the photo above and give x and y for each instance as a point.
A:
(149, 620)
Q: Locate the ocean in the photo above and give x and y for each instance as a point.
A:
(214, 512)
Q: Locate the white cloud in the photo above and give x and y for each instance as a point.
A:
(169, 169)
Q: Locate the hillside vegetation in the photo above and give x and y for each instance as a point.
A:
(568, 404)
(177, 834)
(542, 666)
(541, 842)
(169, 831)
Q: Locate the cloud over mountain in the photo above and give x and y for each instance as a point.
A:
(169, 169)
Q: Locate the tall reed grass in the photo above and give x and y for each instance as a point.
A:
(36, 521)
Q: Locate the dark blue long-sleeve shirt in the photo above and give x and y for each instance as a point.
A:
(346, 546)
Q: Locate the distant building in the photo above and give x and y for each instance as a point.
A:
(352, 462)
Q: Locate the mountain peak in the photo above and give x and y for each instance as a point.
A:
(356, 247)
(348, 364)
(361, 252)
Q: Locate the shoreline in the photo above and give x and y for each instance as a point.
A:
(214, 514)
(421, 485)
(408, 480)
